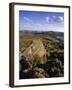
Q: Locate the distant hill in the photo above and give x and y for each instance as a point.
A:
(56, 35)
(53, 34)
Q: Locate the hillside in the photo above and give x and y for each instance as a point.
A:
(41, 54)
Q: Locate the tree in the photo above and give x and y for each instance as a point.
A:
(24, 64)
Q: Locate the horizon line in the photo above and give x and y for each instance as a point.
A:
(42, 30)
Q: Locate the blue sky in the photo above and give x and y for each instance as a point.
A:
(41, 21)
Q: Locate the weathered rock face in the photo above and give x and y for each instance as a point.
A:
(36, 48)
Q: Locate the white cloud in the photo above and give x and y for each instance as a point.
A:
(28, 19)
(47, 18)
(56, 30)
(61, 18)
(54, 17)
(58, 19)
(39, 25)
(59, 30)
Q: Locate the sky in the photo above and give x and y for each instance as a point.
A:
(41, 21)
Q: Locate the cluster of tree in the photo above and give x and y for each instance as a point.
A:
(52, 68)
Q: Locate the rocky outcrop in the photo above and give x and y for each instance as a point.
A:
(35, 49)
